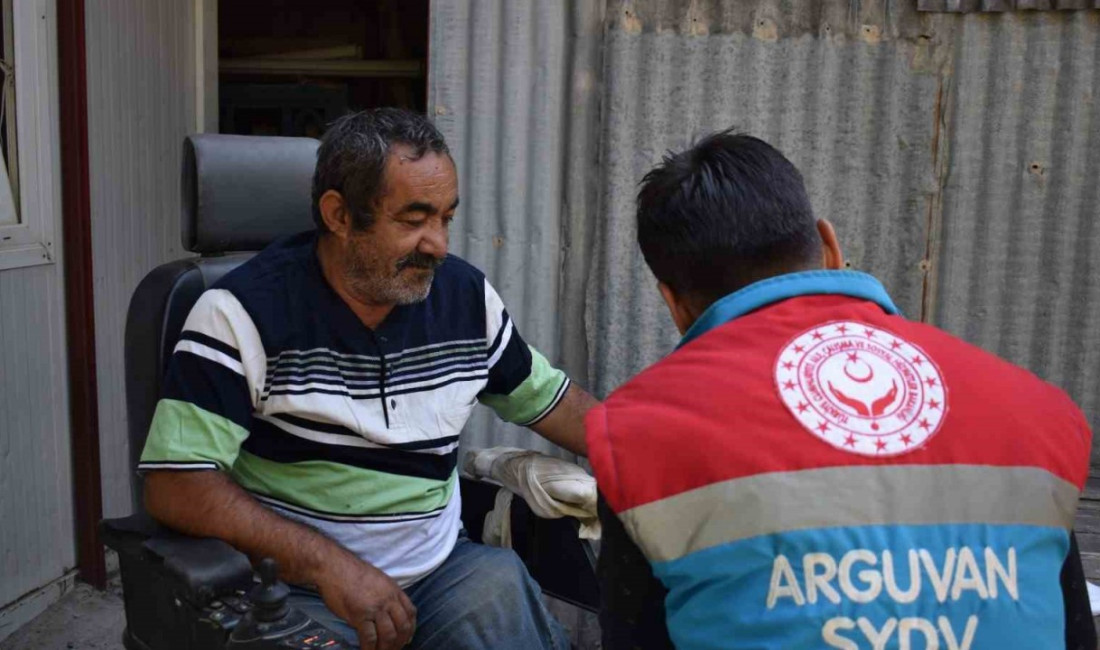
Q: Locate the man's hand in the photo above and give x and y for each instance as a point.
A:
(369, 601)
(209, 504)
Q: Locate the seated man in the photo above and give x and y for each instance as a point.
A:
(811, 470)
(312, 408)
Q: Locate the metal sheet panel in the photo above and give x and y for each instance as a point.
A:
(972, 6)
(141, 104)
(956, 154)
(851, 98)
(37, 538)
(499, 88)
(1019, 267)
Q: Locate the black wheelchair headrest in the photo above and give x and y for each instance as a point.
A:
(241, 192)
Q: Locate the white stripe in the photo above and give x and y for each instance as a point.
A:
(218, 314)
(461, 360)
(305, 388)
(398, 381)
(395, 380)
(404, 355)
(207, 352)
(320, 436)
(553, 404)
(346, 440)
(504, 338)
(494, 313)
(308, 368)
(170, 465)
(313, 385)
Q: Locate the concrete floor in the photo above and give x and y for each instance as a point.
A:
(84, 619)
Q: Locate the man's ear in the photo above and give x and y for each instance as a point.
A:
(831, 256)
(682, 315)
(335, 213)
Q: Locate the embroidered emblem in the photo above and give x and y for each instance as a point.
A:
(861, 389)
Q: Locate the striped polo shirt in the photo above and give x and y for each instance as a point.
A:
(350, 430)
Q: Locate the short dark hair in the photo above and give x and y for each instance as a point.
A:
(353, 152)
(727, 212)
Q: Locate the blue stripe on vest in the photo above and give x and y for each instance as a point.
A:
(829, 588)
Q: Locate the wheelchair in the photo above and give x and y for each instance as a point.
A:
(240, 193)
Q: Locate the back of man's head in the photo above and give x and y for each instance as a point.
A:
(727, 212)
(353, 153)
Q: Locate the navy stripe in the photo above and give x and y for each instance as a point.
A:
(327, 370)
(425, 444)
(352, 520)
(210, 342)
(461, 353)
(339, 518)
(375, 394)
(551, 406)
(293, 367)
(345, 357)
(427, 375)
(512, 368)
(269, 442)
(330, 365)
(290, 374)
(208, 385)
(327, 427)
(324, 427)
(500, 334)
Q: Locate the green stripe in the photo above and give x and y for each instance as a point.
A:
(183, 432)
(530, 398)
(341, 489)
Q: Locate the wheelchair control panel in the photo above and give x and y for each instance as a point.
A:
(262, 620)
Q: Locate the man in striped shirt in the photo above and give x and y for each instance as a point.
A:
(313, 405)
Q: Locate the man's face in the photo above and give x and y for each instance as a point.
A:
(394, 260)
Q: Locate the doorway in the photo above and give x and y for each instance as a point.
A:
(296, 66)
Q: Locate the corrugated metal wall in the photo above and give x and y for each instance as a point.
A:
(500, 91)
(1019, 261)
(970, 6)
(37, 538)
(957, 155)
(141, 104)
(847, 98)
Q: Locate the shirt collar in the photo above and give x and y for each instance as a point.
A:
(765, 292)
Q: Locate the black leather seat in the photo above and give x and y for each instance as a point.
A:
(240, 193)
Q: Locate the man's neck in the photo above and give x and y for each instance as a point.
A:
(332, 264)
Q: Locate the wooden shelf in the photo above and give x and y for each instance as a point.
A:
(378, 68)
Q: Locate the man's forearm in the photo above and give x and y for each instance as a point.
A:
(210, 504)
(565, 424)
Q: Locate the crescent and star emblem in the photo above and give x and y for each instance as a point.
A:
(862, 389)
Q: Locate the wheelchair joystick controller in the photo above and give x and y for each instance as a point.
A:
(269, 597)
(272, 624)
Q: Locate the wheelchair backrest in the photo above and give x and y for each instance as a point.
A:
(240, 193)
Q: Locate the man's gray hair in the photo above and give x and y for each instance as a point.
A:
(353, 153)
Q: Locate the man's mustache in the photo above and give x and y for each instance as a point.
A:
(419, 261)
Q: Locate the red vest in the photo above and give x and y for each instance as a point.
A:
(820, 473)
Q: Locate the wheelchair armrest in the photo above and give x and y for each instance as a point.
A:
(561, 562)
(200, 569)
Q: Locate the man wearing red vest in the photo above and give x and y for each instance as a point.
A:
(809, 469)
